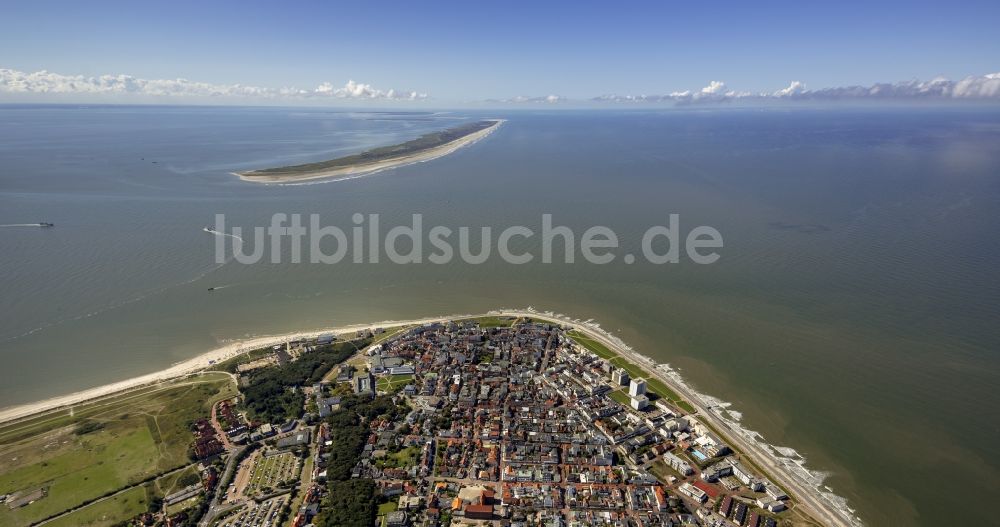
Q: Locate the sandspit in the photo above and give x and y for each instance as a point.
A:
(424, 148)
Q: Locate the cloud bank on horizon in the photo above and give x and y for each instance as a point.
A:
(45, 82)
(520, 99)
(972, 87)
(982, 87)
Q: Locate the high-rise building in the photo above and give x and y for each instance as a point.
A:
(620, 377)
(637, 387)
(640, 402)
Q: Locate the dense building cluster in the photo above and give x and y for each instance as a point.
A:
(522, 426)
(480, 422)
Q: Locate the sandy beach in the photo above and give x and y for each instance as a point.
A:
(823, 505)
(187, 367)
(360, 169)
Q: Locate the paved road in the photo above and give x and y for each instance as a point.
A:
(807, 497)
(805, 494)
(226, 443)
(216, 509)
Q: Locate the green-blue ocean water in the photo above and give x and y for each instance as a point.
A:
(854, 314)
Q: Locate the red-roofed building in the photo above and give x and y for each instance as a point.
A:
(661, 498)
(479, 512)
(711, 490)
(727, 507)
(487, 497)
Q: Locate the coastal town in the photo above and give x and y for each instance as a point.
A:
(488, 421)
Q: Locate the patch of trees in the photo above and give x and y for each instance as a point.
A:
(271, 401)
(270, 398)
(87, 427)
(349, 504)
(348, 436)
(349, 430)
(352, 502)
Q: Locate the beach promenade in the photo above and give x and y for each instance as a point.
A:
(815, 502)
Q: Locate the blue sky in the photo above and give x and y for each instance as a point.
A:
(468, 51)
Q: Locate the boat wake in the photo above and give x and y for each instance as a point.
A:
(217, 233)
(116, 305)
(121, 303)
(27, 225)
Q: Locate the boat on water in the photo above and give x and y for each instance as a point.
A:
(211, 289)
(46, 224)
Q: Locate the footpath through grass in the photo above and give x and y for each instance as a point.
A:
(393, 383)
(494, 322)
(98, 448)
(107, 512)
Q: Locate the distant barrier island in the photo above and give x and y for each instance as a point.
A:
(424, 148)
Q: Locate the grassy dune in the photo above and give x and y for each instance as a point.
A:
(102, 447)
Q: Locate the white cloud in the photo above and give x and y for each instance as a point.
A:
(45, 82)
(520, 99)
(793, 89)
(716, 91)
(714, 88)
(985, 86)
(356, 90)
(973, 87)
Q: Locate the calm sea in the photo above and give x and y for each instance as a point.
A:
(854, 314)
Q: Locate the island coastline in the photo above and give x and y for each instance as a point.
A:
(822, 505)
(300, 173)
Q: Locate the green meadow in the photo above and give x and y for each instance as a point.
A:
(80, 454)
